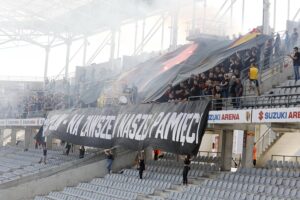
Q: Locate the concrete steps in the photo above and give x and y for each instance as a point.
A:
(179, 188)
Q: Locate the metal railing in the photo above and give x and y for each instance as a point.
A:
(266, 101)
(209, 153)
(284, 158)
(265, 140)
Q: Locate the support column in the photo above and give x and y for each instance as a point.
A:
(226, 149)
(204, 14)
(28, 137)
(112, 47)
(231, 14)
(135, 36)
(162, 33)
(248, 143)
(289, 10)
(174, 29)
(1, 137)
(13, 136)
(194, 17)
(119, 43)
(274, 15)
(243, 14)
(47, 51)
(49, 140)
(143, 35)
(266, 16)
(148, 154)
(68, 43)
(85, 44)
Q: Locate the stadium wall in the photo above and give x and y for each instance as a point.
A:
(71, 177)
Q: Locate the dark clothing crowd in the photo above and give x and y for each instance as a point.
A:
(222, 81)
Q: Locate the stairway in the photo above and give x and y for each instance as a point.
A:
(165, 194)
(280, 71)
(266, 141)
(279, 147)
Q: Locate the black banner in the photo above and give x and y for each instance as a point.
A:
(172, 127)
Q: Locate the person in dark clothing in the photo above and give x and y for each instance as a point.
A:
(44, 157)
(225, 86)
(239, 92)
(68, 147)
(141, 165)
(296, 62)
(277, 45)
(81, 152)
(218, 98)
(294, 37)
(267, 53)
(109, 160)
(287, 41)
(186, 169)
(156, 154)
(232, 90)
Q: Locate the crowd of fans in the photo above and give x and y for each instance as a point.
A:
(40, 101)
(225, 80)
(222, 81)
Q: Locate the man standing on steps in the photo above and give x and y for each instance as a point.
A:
(141, 164)
(186, 169)
(109, 159)
(296, 62)
(254, 154)
(44, 157)
(253, 77)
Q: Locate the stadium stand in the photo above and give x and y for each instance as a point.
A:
(285, 95)
(290, 165)
(160, 176)
(245, 184)
(15, 163)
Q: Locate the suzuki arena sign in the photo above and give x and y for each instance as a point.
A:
(229, 117)
(276, 115)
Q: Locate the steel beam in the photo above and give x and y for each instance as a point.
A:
(112, 47)
(174, 29)
(135, 35)
(296, 15)
(288, 9)
(266, 16)
(143, 35)
(100, 48)
(162, 33)
(68, 44)
(243, 14)
(47, 52)
(274, 15)
(85, 44)
(194, 15)
(119, 43)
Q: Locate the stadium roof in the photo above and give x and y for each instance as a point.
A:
(29, 19)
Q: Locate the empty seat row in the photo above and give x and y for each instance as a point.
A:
(279, 191)
(283, 164)
(82, 194)
(269, 172)
(157, 184)
(115, 193)
(16, 163)
(215, 194)
(208, 159)
(290, 182)
(174, 170)
(175, 179)
(196, 166)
